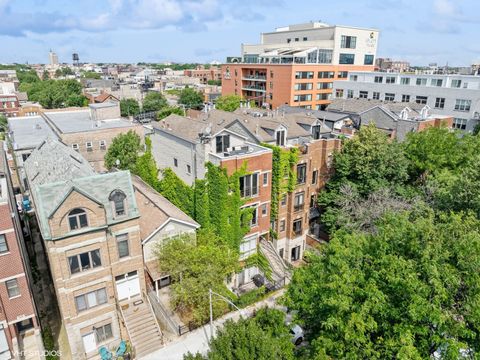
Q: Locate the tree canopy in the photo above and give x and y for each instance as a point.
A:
(191, 98)
(129, 107)
(125, 148)
(195, 267)
(154, 101)
(263, 337)
(53, 94)
(228, 102)
(405, 292)
(169, 110)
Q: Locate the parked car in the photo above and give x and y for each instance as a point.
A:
(297, 334)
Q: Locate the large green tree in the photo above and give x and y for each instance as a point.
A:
(125, 148)
(195, 267)
(154, 101)
(437, 149)
(191, 98)
(366, 163)
(263, 337)
(129, 107)
(53, 94)
(405, 292)
(169, 110)
(228, 102)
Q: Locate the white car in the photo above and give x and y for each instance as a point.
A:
(297, 334)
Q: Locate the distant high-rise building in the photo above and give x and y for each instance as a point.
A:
(53, 58)
(297, 64)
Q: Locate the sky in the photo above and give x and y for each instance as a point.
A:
(130, 31)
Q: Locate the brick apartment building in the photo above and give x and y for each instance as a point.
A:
(185, 145)
(88, 131)
(90, 228)
(297, 64)
(19, 327)
(229, 140)
(205, 75)
(9, 105)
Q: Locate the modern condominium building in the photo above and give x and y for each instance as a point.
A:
(457, 96)
(297, 64)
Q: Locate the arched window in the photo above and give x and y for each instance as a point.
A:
(118, 198)
(77, 219)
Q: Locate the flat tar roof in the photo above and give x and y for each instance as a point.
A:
(29, 131)
(80, 121)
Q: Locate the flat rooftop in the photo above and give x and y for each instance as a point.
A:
(29, 131)
(80, 121)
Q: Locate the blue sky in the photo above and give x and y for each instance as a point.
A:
(420, 31)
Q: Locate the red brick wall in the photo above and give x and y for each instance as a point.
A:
(262, 163)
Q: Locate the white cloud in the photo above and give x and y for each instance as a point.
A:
(444, 7)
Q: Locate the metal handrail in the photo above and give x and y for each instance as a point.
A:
(153, 313)
(119, 309)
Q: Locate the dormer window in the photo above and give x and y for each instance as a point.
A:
(280, 136)
(117, 197)
(77, 219)
(222, 143)
(316, 132)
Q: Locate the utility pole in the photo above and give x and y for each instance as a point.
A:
(211, 313)
(210, 293)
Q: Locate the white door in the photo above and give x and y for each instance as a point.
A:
(4, 350)
(89, 343)
(128, 285)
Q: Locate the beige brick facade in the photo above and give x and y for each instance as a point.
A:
(97, 236)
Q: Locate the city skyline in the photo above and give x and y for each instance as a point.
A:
(440, 31)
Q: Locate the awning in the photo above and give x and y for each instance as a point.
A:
(314, 213)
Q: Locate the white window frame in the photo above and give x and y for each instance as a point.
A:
(103, 144)
(75, 147)
(89, 147)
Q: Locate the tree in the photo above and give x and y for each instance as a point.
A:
(195, 267)
(169, 110)
(228, 102)
(45, 75)
(366, 163)
(214, 82)
(191, 98)
(264, 337)
(404, 292)
(53, 94)
(154, 101)
(125, 149)
(129, 107)
(91, 75)
(435, 149)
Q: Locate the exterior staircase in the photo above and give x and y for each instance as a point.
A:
(143, 329)
(280, 269)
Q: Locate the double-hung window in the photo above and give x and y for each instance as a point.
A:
(301, 173)
(222, 143)
(249, 185)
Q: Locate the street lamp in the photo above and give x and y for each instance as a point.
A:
(210, 293)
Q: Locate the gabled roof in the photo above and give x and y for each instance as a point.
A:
(54, 171)
(156, 211)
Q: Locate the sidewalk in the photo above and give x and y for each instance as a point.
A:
(197, 340)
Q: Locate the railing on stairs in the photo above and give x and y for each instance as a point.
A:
(162, 313)
(122, 317)
(267, 246)
(152, 311)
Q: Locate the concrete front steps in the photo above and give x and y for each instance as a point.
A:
(145, 335)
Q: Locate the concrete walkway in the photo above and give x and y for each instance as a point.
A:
(197, 340)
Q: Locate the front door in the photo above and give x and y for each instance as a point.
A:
(89, 343)
(128, 285)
